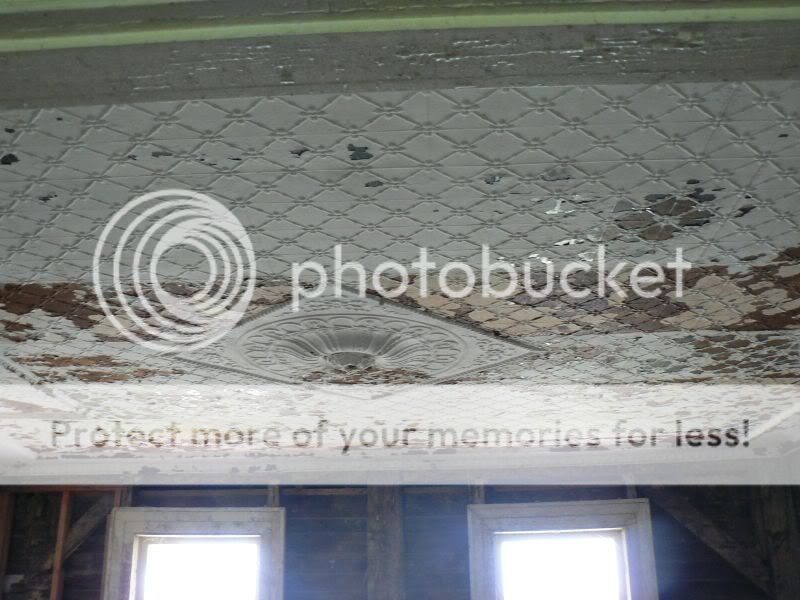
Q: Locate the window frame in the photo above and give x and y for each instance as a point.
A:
(631, 516)
(130, 530)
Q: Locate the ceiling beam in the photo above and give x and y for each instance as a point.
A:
(29, 6)
(348, 63)
(132, 24)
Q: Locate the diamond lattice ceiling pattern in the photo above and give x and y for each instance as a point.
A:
(538, 173)
(526, 170)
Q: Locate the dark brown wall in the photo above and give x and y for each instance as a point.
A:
(326, 540)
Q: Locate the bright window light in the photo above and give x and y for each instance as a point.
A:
(200, 568)
(574, 565)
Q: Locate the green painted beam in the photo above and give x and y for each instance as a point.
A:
(27, 6)
(114, 34)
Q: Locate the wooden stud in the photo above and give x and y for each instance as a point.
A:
(6, 516)
(273, 496)
(123, 496)
(82, 529)
(385, 571)
(477, 494)
(782, 540)
(57, 580)
(761, 539)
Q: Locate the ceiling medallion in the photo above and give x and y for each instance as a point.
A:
(352, 340)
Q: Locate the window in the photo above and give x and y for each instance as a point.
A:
(198, 553)
(547, 562)
(562, 551)
(190, 567)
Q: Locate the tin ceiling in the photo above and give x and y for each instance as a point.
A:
(537, 173)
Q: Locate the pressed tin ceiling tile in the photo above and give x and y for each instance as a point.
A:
(536, 172)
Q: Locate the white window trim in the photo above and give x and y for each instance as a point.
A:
(129, 525)
(632, 516)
